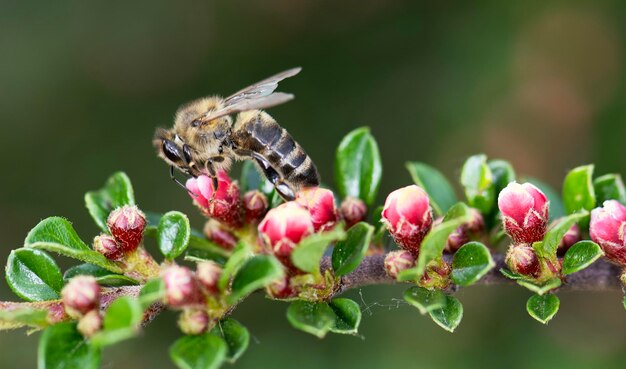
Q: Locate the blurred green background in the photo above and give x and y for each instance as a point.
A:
(83, 84)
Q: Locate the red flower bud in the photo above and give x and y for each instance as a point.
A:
(208, 274)
(107, 246)
(408, 217)
(461, 235)
(222, 205)
(181, 287)
(352, 211)
(126, 225)
(456, 239)
(284, 226)
(521, 259)
(81, 295)
(524, 211)
(397, 261)
(607, 228)
(90, 324)
(255, 205)
(321, 205)
(218, 233)
(281, 289)
(194, 321)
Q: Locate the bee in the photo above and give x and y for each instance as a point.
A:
(205, 138)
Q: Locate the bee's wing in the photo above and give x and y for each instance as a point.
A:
(260, 95)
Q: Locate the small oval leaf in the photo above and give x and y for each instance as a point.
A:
(543, 307)
(358, 167)
(477, 180)
(33, 275)
(103, 276)
(61, 346)
(554, 236)
(316, 318)
(578, 191)
(540, 289)
(503, 174)
(117, 192)
(236, 337)
(257, 272)
(347, 316)
(449, 316)
(425, 300)
(308, 253)
(472, 261)
(206, 351)
(434, 243)
(173, 234)
(121, 322)
(579, 256)
(609, 187)
(349, 252)
(441, 193)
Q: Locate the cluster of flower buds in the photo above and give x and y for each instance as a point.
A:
(608, 228)
(223, 204)
(352, 210)
(81, 299)
(126, 225)
(408, 217)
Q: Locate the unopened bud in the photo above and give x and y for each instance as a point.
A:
(126, 225)
(81, 295)
(524, 211)
(352, 211)
(397, 261)
(608, 228)
(222, 204)
(218, 233)
(208, 274)
(255, 205)
(108, 246)
(90, 324)
(281, 289)
(521, 259)
(456, 239)
(181, 287)
(320, 203)
(193, 321)
(569, 239)
(283, 227)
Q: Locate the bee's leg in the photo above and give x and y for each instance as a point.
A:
(213, 174)
(178, 182)
(281, 187)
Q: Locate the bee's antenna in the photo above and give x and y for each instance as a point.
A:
(178, 182)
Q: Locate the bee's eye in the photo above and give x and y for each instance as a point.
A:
(170, 150)
(187, 153)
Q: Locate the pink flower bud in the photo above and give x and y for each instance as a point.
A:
(397, 261)
(408, 217)
(107, 246)
(321, 205)
(456, 239)
(255, 205)
(194, 321)
(218, 233)
(181, 287)
(81, 295)
(126, 225)
(521, 259)
(607, 228)
(222, 205)
(281, 289)
(90, 324)
(476, 223)
(524, 211)
(352, 211)
(208, 274)
(284, 226)
(461, 235)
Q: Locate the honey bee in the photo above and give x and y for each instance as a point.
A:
(205, 138)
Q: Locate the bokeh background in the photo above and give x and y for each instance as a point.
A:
(83, 84)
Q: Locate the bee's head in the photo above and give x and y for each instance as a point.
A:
(171, 148)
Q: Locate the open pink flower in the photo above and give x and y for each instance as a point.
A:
(222, 205)
(408, 217)
(524, 211)
(607, 228)
(321, 205)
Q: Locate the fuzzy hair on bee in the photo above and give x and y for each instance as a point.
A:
(205, 139)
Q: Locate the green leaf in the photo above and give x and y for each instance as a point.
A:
(434, 243)
(241, 254)
(197, 256)
(197, 241)
(121, 322)
(543, 307)
(117, 192)
(472, 261)
(23, 316)
(580, 255)
(441, 193)
(206, 351)
(349, 252)
(236, 337)
(449, 316)
(308, 253)
(33, 275)
(578, 191)
(458, 210)
(61, 346)
(510, 275)
(358, 167)
(151, 292)
(477, 180)
(609, 187)
(103, 276)
(554, 236)
(347, 316)
(540, 289)
(425, 300)
(316, 318)
(503, 174)
(257, 272)
(57, 235)
(557, 209)
(173, 234)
